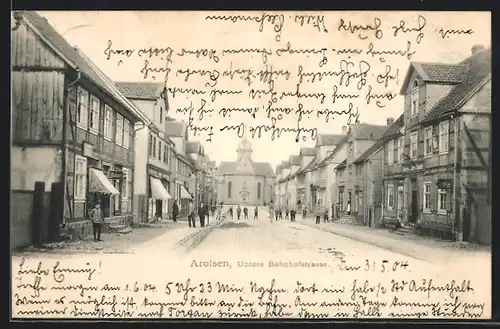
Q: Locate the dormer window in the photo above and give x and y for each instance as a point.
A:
(414, 98)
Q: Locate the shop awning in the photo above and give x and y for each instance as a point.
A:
(185, 194)
(158, 191)
(99, 183)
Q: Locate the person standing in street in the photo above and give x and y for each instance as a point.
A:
(191, 215)
(231, 212)
(271, 211)
(207, 213)
(325, 214)
(304, 213)
(245, 213)
(201, 214)
(256, 213)
(276, 213)
(238, 212)
(292, 214)
(97, 220)
(318, 213)
(175, 211)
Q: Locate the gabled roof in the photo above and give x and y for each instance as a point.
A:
(285, 164)
(278, 169)
(438, 73)
(294, 160)
(325, 140)
(307, 151)
(193, 147)
(175, 129)
(140, 90)
(311, 165)
(335, 151)
(391, 132)
(74, 59)
(260, 168)
(365, 131)
(478, 74)
(343, 164)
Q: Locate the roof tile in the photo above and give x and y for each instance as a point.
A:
(140, 90)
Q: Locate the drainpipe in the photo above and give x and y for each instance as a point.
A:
(456, 185)
(64, 171)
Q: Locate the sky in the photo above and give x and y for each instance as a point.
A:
(104, 37)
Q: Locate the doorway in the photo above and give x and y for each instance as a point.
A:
(159, 208)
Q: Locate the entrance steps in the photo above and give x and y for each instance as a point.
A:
(406, 229)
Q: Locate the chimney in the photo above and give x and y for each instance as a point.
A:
(344, 130)
(476, 49)
(390, 121)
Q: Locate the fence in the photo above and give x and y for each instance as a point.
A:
(33, 216)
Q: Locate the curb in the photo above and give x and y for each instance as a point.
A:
(375, 244)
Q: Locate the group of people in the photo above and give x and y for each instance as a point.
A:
(245, 212)
(204, 211)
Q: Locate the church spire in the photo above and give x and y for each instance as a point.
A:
(244, 149)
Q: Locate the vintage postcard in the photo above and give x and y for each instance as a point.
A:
(251, 165)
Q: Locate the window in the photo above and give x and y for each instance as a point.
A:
(443, 136)
(390, 152)
(414, 145)
(428, 141)
(126, 133)
(80, 177)
(179, 166)
(229, 187)
(82, 108)
(161, 114)
(390, 196)
(165, 154)
(150, 145)
(94, 114)
(108, 123)
(119, 130)
(401, 149)
(154, 147)
(442, 201)
(427, 196)
(341, 198)
(159, 150)
(395, 156)
(258, 190)
(414, 98)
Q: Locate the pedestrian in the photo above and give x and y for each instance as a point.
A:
(256, 213)
(97, 220)
(304, 213)
(292, 214)
(201, 214)
(207, 213)
(231, 212)
(213, 208)
(245, 213)
(281, 213)
(318, 213)
(191, 215)
(175, 211)
(276, 213)
(287, 211)
(325, 215)
(220, 212)
(238, 212)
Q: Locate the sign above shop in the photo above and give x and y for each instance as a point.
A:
(114, 174)
(415, 167)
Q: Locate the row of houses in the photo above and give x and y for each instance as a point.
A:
(78, 137)
(426, 172)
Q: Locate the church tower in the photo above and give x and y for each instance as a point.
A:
(244, 150)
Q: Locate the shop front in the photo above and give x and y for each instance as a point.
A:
(158, 201)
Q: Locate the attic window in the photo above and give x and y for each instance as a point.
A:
(414, 98)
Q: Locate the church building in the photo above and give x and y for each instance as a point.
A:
(243, 181)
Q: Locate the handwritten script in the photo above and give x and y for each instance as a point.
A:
(56, 290)
(293, 73)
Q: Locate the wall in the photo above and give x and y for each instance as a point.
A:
(141, 176)
(179, 144)
(237, 185)
(33, 164)
(147, 107)
(481, 101)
